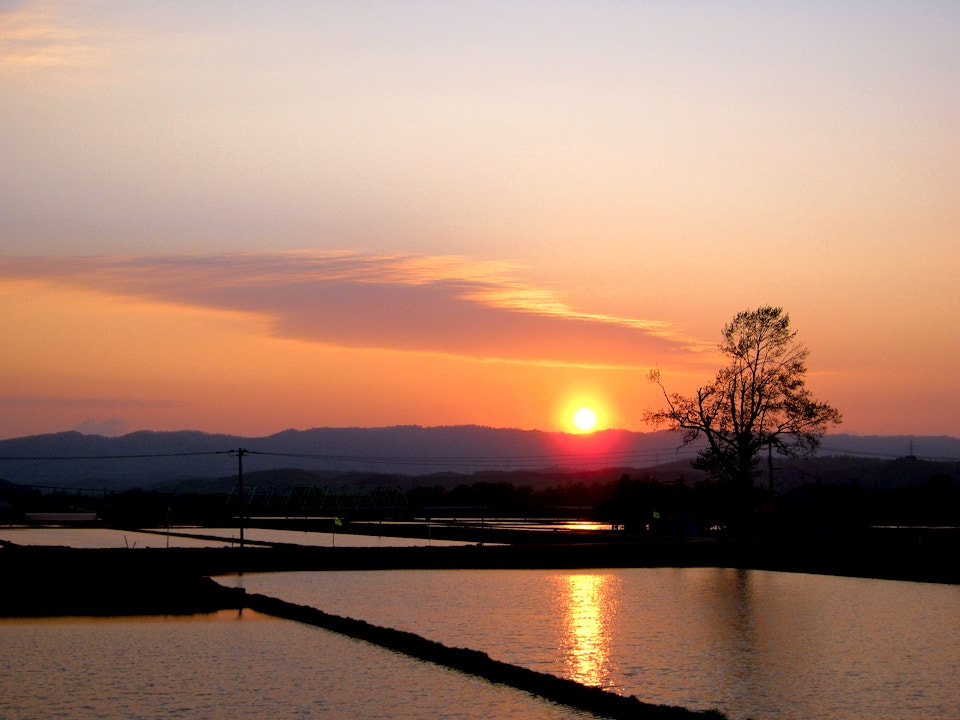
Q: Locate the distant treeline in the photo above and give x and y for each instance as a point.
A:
(668, 503)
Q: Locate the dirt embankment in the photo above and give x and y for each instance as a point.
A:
(120, 581)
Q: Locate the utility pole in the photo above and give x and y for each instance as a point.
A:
(240, 452)
(770, 464)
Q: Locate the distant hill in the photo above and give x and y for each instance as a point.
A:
(71, 459)
(923, 447)
(145, 459)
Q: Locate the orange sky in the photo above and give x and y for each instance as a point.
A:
(168, 342)
(307, 215)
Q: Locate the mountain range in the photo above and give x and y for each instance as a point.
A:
(144, 459)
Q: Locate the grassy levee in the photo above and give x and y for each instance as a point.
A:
(55, 581)
(479, 664)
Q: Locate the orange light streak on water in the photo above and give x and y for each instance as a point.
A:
(584, 642)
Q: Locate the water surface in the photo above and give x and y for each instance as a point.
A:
(181, 537)
(99, 538)
(230, 666)
(753, 644)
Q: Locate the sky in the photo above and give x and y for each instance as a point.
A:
(250, 216)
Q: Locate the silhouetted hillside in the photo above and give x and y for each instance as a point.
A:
(864, 472)
(145, 459)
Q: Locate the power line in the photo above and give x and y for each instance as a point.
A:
(615, 455)
(443, 460)
(105, 457)
(533, 460)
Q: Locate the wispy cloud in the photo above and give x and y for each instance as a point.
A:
(447, 304)
(43, 35)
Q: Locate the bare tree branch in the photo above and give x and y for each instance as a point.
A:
(759, 399)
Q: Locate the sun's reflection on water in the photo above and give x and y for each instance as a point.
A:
(588, 602)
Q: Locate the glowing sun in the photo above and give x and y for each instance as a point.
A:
(585, 419)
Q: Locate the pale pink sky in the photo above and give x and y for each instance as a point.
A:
(251, 216)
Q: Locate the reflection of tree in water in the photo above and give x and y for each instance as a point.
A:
(733, 618)
(735, 641)
(588, 603)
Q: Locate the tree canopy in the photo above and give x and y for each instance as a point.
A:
(759, 399)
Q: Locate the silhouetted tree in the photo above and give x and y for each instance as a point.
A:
(758, 400)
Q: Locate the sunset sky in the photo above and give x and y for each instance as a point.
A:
(243, 217)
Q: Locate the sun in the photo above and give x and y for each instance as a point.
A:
(583, 411)
(585, 419)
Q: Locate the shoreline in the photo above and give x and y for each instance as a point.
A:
(44, 580)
